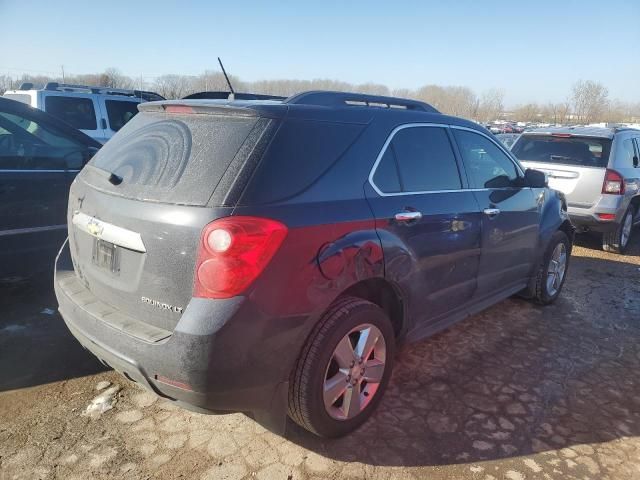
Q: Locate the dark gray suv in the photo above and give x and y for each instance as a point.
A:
(269, 256)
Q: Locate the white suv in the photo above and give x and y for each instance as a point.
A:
(97, 111)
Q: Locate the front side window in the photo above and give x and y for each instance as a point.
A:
(418, 159)
(26, 144)
(76, 111)
(120, 112)
(487, 165)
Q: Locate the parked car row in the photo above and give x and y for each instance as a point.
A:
(99, 112)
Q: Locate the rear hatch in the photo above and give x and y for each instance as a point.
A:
(137, 210)
(576, 165)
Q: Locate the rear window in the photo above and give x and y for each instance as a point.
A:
(171, 158)
(573, 150)
(76, 111)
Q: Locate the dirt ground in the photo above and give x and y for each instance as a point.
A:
(514, 393)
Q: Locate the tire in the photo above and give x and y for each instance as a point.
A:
(544, 293)
(616, 241)
(318, 363)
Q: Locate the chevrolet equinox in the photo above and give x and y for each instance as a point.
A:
(268, 256)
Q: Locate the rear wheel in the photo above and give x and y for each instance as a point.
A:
(617, 240)
(343, 370)
(553, 269)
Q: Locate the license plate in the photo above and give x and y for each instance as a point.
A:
(106, 256)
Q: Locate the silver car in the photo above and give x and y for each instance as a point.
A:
(597, 169)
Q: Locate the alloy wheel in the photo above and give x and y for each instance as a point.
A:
(626, 230)
(556, 269)
(354, 372)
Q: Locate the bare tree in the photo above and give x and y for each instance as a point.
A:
(590, 101)
(172, 86)
(6, 83)
(491, 105)
(529, 112)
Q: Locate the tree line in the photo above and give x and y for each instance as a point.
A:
(587, 102)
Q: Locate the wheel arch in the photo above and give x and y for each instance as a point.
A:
(384, 294)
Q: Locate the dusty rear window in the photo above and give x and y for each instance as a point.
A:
(170, 158)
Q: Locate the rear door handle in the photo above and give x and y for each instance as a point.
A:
(408, 216)
(492, 212)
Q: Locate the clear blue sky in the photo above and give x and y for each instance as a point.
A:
(533, 49)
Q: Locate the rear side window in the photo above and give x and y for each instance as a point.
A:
(120, 112)
(627, 153)
(298, 155)
(171, 158)
(563, 149)
(76, 111)
(418, 159)
(487, 165)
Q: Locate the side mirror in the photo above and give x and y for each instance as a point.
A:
(535, 178)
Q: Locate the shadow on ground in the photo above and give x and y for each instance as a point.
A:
(35, 345)
(514, 380)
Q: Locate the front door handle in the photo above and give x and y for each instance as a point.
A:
(492, 212)
(408, 216)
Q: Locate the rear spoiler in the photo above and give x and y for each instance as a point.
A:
(216, 107)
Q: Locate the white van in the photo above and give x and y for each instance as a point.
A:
(97, 111)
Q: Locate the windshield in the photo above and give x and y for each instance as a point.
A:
(566, 150)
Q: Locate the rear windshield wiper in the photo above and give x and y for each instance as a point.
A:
(113, 178)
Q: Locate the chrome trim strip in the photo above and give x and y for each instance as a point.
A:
(108, 232)
(438, 125)
(18, 231)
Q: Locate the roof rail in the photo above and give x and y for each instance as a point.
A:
(346, 99)
(69, 87)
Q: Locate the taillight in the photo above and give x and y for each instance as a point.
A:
(613, 183)
(233, 251)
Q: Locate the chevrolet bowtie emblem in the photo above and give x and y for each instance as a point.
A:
(94, 227)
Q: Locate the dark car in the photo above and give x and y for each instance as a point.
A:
(39, 158)
(268, 257)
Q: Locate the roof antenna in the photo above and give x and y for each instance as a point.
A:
(233, 93)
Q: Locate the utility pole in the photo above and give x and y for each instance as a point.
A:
(62, 67)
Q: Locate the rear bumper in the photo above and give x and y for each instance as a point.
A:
(224, 355)
(591, 222)
(588, 219)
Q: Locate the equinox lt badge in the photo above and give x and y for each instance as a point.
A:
(163, 306)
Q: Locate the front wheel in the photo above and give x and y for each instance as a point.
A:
(617, 240)
(553, 269)
(343, 370)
